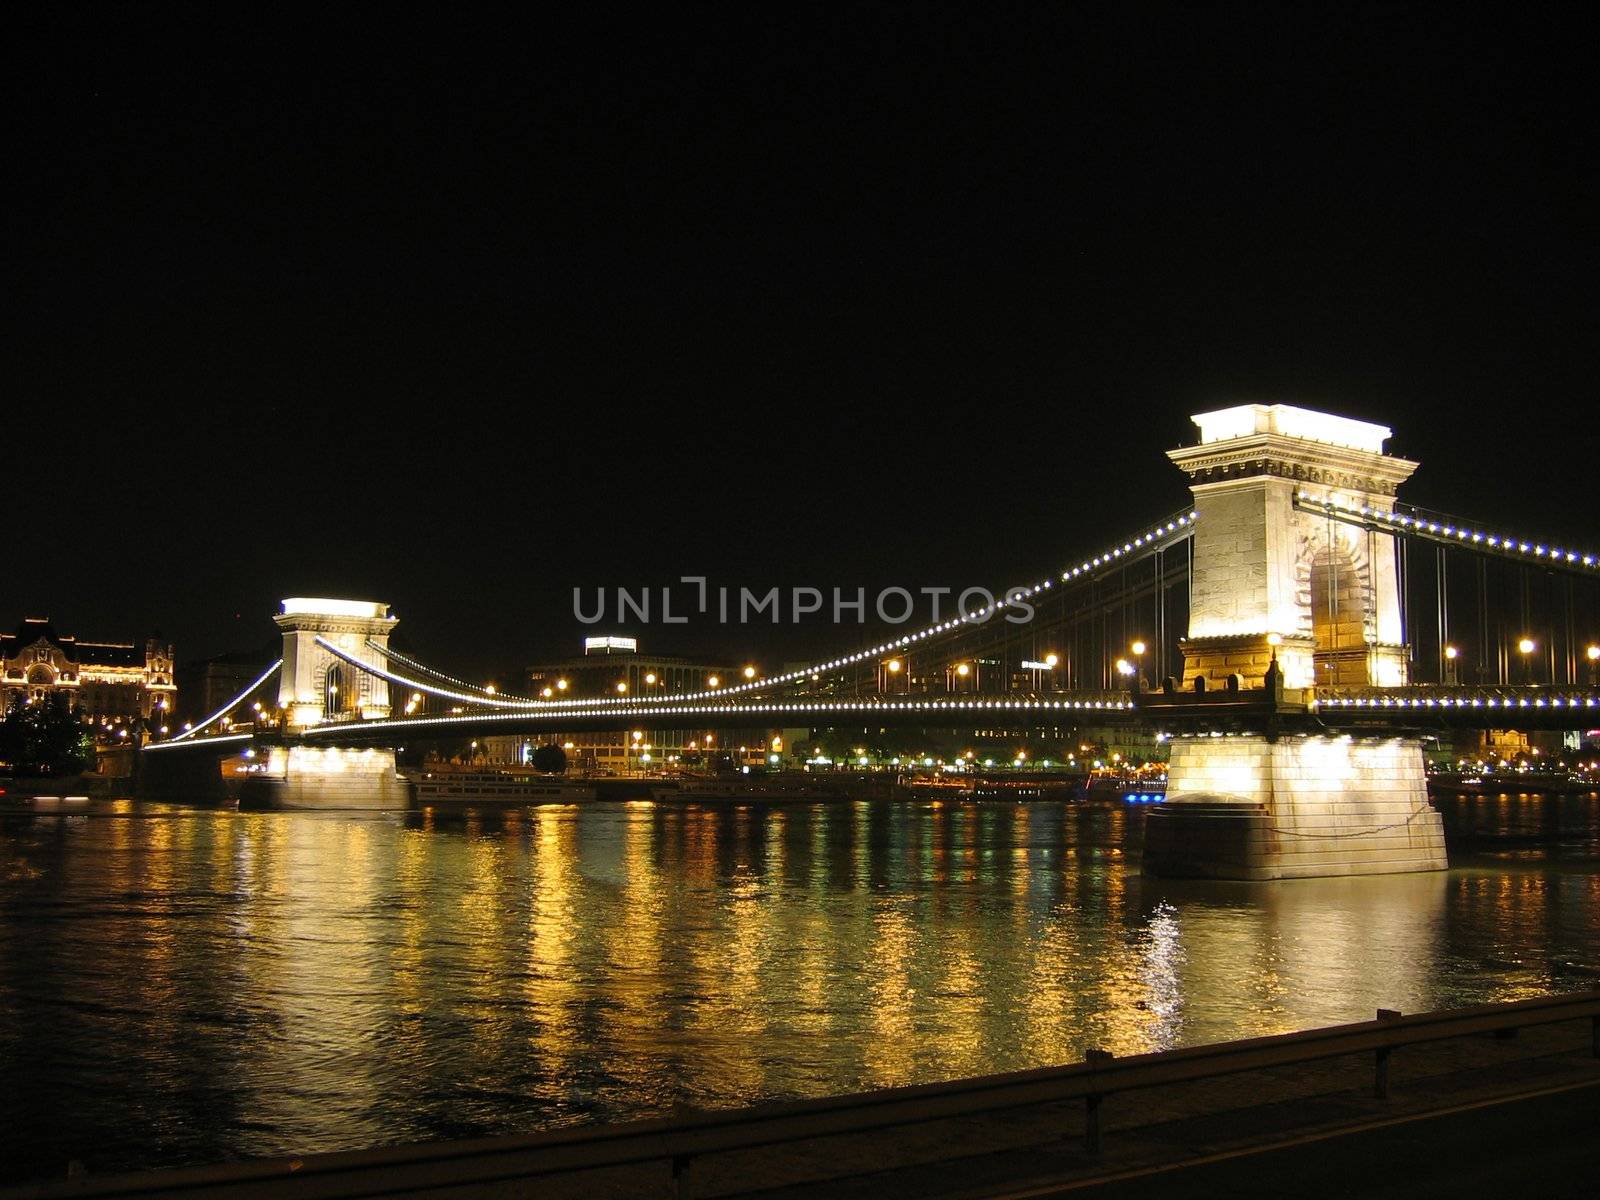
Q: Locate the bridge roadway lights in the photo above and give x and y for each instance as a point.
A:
(1282, 803)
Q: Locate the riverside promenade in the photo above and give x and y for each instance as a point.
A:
(1460, 1103)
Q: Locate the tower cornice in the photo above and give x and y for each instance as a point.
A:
(1278, 455)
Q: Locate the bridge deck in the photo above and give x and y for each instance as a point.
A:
(1398, 710)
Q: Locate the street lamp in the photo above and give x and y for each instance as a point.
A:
(1593, 655)
(1526, 646)
(749, 672)
(1137, 647)
(1450, 656)
(1049, 660)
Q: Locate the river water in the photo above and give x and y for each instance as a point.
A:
(183, 985)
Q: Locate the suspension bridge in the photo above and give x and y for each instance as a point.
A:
(1295, 632)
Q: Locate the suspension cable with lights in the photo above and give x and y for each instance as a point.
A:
(485, 693)
(418, 685)
(1448, 532)
(1104, 703)
(228, 707)
(1158, 536)
(1173, 529)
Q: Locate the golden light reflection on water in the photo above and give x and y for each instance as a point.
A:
(890, 1049)
(552, 1040)
(344, 980)
(633, 938)
(408, 951)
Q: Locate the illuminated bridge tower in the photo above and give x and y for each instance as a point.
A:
(1326, 593)
(1273, 581)
(316, 686)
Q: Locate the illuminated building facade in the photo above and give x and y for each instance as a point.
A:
(107, 681)
(613, 666)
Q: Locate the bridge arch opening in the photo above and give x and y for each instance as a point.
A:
(1341, 611)
(341, 690)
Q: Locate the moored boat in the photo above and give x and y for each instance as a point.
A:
(498, 787)
(752, 788)
(1497, 783)
(1125, 788)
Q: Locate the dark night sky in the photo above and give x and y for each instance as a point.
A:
(461, 317)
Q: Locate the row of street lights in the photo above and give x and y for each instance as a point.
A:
(713, 682)
(1525, 647)
(961, 675)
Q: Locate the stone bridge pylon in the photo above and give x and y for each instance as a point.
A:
(1271, 581)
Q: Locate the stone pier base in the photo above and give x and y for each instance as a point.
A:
(326, 777)
(1243, 807)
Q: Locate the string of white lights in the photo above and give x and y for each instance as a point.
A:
(418, 685)
(1568, 701)
(1107, 702)
(392, 654)
(1449, 532)
(1169, 530)
(229, 706)
(229, 739)
(1173, 529)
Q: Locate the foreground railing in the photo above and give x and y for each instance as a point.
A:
(461, 1167)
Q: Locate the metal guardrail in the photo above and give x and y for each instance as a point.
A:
(460, 1166)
